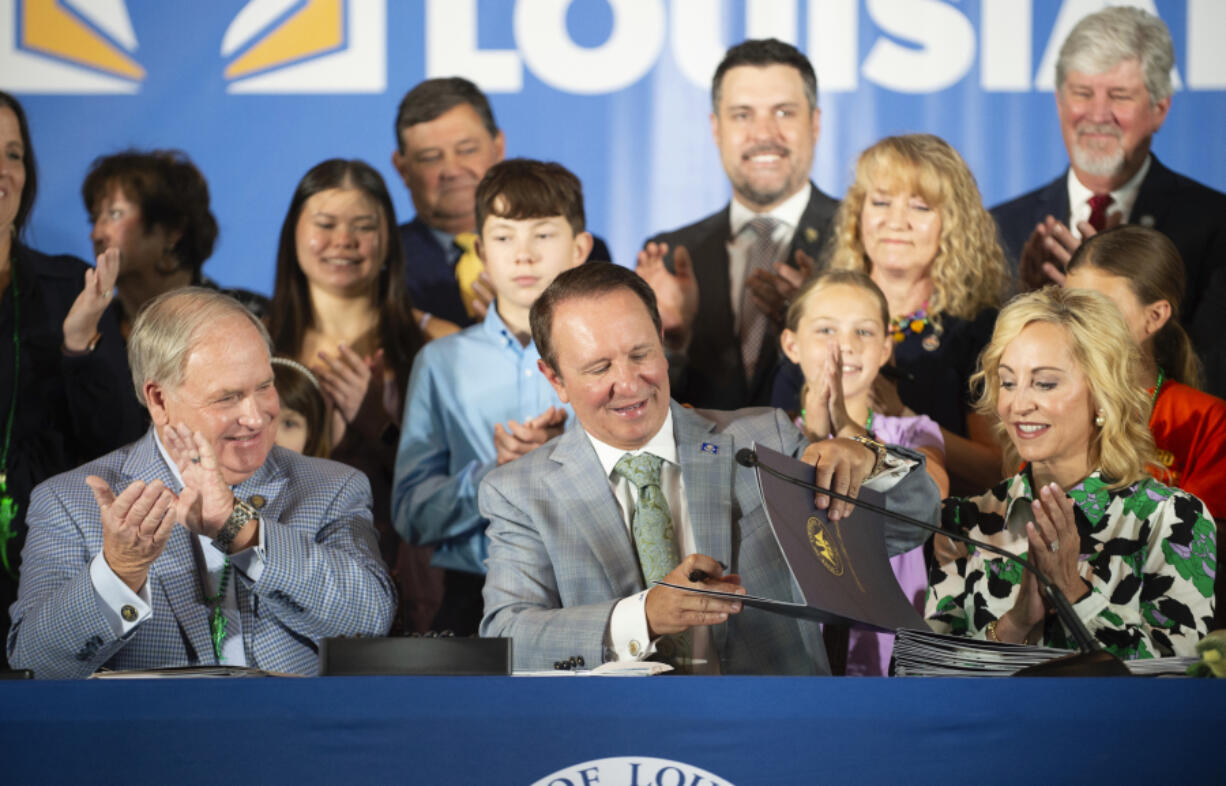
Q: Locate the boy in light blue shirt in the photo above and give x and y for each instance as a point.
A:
(476, 398)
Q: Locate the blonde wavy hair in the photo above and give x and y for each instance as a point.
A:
(968, 272)
(1105, 352)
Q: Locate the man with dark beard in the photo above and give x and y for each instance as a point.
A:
(1113, 92)
(723, 283)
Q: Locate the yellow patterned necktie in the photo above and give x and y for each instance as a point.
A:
(467, 269)
(654, 539)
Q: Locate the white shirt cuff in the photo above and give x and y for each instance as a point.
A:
(250, 562)
(895, 468)
(122, 608)
(627, 635)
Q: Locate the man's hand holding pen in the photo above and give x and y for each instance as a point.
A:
(673, 611)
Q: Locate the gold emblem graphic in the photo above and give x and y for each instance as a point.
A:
(824, 546)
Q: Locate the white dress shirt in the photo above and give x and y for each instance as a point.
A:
(1122, 199)
(113, 594)
(627, 634)
(788, 215)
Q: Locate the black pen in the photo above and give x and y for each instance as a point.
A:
(701, 575)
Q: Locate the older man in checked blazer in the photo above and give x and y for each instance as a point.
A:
(647, 489)
(201, 543)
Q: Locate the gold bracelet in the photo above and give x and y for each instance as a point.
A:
(991, 631)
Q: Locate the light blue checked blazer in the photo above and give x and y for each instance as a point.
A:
(322, 576)
(561, 557)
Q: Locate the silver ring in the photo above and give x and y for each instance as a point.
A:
(1054, 545)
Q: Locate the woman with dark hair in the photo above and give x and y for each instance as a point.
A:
(1141, 271)
(340, 307)
(61, 355)
(154, 207)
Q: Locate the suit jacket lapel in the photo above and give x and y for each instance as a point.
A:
(263, 490)
(1154, 198)
(705, 459)
(588, 503)
(706, 467)
(811, 234)
(1053, 200)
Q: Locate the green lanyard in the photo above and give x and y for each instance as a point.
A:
(8, 507)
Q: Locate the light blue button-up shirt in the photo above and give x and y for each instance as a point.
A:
(460, 387)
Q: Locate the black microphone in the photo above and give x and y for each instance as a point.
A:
(1092, 660)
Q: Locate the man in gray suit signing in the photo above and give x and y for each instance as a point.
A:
(645, 490)
(201, 543)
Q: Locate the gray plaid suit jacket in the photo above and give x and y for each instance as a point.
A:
(322, 575)
(561, 556)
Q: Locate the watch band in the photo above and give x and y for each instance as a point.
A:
(877, 448)
(229, 531)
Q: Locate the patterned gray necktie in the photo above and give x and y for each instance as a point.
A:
(655, 540)
(755, 325)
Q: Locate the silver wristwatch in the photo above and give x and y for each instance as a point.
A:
(238, 519)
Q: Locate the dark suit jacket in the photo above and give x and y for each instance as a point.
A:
(1192, 215)
(431, 279)
(711, 374)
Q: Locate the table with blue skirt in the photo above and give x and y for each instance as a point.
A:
(654, 731)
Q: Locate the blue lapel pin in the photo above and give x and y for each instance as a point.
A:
(708, 447)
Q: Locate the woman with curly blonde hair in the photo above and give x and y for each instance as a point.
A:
(914, 221)
(1136, 558)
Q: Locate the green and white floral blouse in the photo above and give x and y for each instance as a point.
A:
(1148, 551)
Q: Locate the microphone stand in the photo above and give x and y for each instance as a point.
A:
(1091, 660)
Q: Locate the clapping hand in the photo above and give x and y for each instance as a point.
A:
(676, 292)
(772, 293)
(135, 526)
(515, 439)
(354, 387)
(1045, 257)
(206, 500)
(81, 323)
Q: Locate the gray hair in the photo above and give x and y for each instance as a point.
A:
(1102, 40)
(166, 328)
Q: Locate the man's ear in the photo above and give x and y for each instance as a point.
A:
(555, 380)
(500, 146)
(155, 402)
(401, 165)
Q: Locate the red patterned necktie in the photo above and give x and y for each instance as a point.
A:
(1098, 211)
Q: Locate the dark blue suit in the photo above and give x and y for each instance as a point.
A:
(1192, 215)
(431, 274)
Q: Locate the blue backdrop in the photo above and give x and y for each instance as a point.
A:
(257, 91)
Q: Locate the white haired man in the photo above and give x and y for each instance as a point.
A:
(1113, 93)
(275, 552)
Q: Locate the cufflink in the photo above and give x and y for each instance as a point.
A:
(635, 648)
(128, 612)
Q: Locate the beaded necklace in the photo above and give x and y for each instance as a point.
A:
(8, 507)
(1153, 401)
(913, 322)
(217, 620)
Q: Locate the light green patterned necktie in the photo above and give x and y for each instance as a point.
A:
(654, 539)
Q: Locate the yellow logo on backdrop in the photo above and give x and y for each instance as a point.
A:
(307, 46)
(68, 46)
